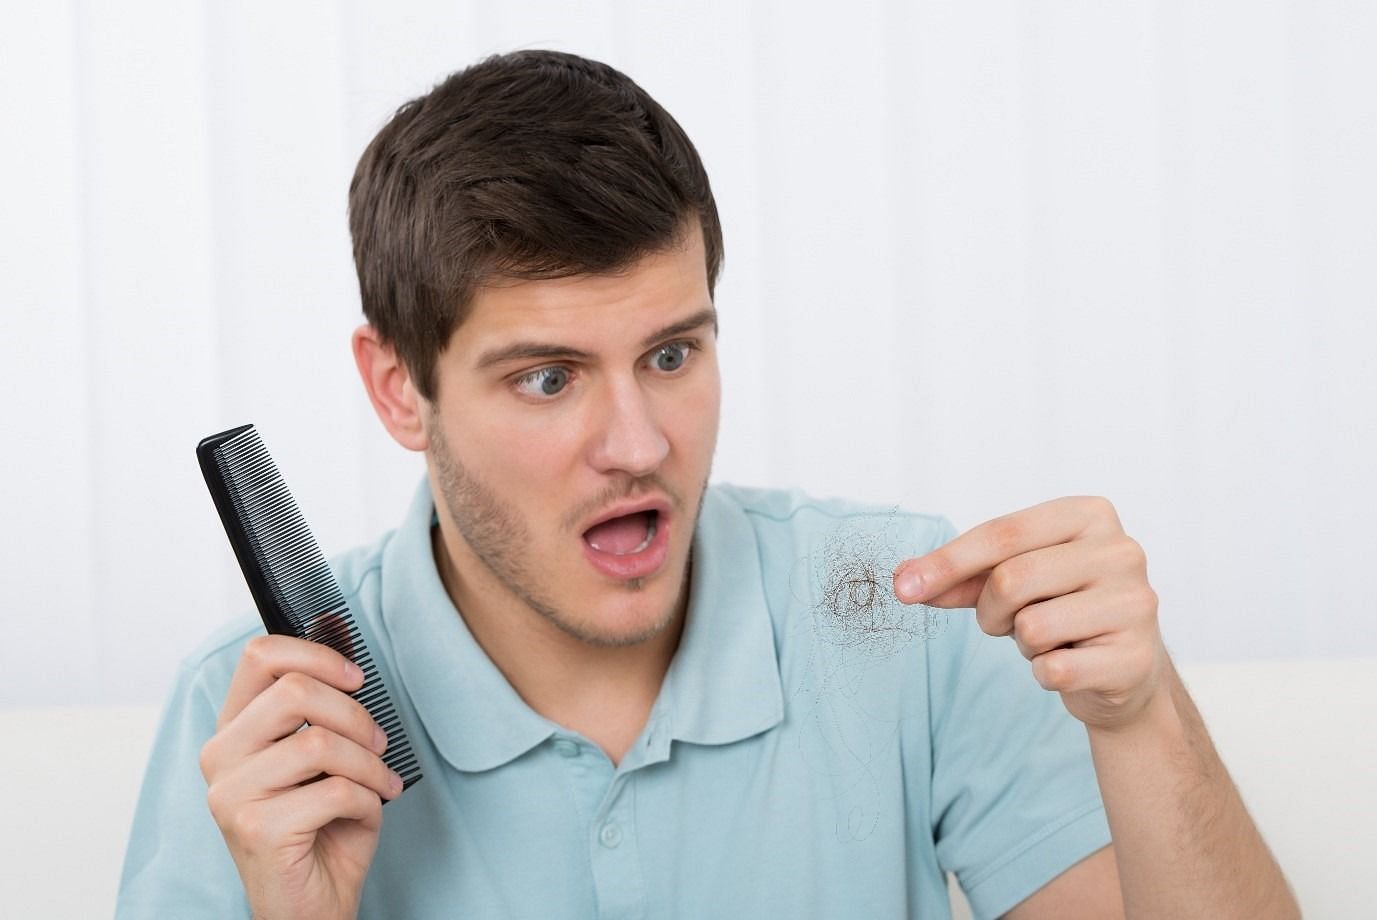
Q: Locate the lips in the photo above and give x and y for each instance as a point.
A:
(630, 540)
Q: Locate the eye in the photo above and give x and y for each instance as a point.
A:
(545, 381)
(669, 358)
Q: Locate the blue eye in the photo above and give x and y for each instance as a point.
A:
(547, 381)
(671, 357)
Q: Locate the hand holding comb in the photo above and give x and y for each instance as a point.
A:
(291, 583)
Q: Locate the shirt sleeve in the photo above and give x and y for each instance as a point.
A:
(176, 863)
(1015, 801)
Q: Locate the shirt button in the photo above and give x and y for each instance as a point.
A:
(610, 835)
(566, 748)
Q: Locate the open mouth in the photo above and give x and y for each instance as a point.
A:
(625, 535)
(629, 546)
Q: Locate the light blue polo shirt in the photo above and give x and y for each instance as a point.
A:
(789, 767)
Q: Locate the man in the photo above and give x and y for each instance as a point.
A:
(625, 701)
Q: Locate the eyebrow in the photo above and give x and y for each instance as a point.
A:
(701, 318)
(527, 350)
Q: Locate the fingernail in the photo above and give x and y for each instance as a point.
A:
(379, 739)
(394, 784)
(909, 586)
(352, 671)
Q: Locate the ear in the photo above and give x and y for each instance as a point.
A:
(398, 404)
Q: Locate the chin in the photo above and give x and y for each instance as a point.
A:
(606, 635)
(635, 616)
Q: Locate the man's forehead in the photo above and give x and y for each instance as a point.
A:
(589, 311)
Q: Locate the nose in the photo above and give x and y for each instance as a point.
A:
(629, 439)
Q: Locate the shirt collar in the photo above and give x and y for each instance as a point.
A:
(723, 684)
(474, 717)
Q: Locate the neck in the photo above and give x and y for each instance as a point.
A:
(604, 693)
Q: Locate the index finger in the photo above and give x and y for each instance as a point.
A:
(959, 562)
(266, 658)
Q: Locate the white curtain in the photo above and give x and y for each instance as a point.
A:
(978, 256)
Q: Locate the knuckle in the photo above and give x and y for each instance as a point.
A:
(294, 686)
(215, 801)
(1030, 630)
(1134, 556)
(1101, 507)
(1097, 503)
(987, 622)
(1055, 671)
(982, 619)
(1006, 535)
(315, 742)
(207, 757)
(337, 791)
(1139, 604)
(258, 652)
(247, 827)
(1004, 581)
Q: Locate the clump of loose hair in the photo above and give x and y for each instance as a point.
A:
(848, 582)
(528, 165)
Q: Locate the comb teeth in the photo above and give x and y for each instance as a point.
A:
(291, 582)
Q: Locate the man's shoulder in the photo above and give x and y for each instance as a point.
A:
(803, 514)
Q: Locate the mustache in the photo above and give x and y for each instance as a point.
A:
(630, 488)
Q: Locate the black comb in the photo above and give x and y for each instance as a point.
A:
(291, 583)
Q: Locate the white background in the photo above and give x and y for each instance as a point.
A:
(979, 255)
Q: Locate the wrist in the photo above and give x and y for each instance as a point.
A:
(1157, 719)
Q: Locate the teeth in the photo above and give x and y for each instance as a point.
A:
(650, 533)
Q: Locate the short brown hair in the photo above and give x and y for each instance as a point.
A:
(532, 164)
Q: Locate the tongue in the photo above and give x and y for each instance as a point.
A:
(619, 536)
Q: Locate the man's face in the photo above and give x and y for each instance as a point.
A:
(571, 439)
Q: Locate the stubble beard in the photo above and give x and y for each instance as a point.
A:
(499, 538)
